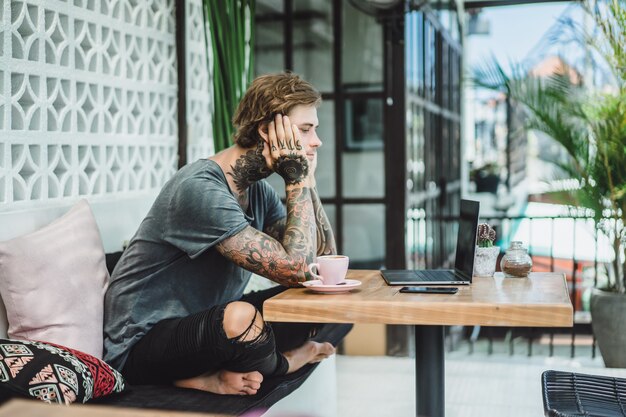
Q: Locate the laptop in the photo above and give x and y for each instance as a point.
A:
(464, 260)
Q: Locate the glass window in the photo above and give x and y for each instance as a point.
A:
(454, 24)
(325, 172)
(269, 37)
(363, 174)
(415, 149)
(363, 123)
(364, 235)
(430, 44)
(416, 238)
(428, 58)
(445, 71)
(363, 165)
(415, 51)
(313, 42)
(456, 140)
(362, 51)
(331, 212)
(445, 17)
(409, 30)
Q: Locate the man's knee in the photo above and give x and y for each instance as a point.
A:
(242, 320)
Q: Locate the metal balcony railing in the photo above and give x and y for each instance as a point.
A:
(572, 245)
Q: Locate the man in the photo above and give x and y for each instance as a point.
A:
(175, 310)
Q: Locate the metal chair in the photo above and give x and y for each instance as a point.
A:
(568, 394)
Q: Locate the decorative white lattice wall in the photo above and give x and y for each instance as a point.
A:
(199, 86)
(88, 92)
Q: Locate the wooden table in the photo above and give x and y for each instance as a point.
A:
(541, 300)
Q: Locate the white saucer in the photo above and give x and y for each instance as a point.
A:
(317, 286)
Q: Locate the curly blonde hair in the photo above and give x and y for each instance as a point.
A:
(267, 96)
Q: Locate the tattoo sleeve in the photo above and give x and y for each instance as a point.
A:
(284, 261)
(325, 237)
(277, 230)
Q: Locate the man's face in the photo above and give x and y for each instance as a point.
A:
(305, 118)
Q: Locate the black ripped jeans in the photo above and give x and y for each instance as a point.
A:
(187, 347)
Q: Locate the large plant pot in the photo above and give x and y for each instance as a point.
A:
(608, 319)
(487, 183)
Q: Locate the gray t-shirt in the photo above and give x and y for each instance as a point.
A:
(171, 267)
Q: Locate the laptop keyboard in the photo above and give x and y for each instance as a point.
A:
(436, 275)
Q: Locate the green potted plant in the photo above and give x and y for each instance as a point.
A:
(486, 178)
(591, 127)
(486, 253)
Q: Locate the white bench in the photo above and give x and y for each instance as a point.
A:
(117, 221)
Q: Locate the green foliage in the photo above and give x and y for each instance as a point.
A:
(591, 126)
(230, 31)
(610, 18)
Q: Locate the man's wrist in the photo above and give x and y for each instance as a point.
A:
(300, 185)
(305, 183)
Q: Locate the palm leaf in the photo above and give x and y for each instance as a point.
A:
(491, 76)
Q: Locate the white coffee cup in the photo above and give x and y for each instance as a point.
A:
(331, 269)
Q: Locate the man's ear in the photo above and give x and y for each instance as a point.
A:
(262, 130)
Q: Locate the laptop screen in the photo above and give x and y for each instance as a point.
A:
(466, 238)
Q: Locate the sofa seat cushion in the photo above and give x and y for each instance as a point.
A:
(272, 389)
(54, 373)
(54, 280)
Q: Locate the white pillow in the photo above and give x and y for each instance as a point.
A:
(53, 281)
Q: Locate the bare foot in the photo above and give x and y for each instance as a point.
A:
(310, 352)
(224, 382)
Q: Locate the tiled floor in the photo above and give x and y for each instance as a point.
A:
(478, 385)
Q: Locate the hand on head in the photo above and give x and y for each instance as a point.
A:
(284, 152)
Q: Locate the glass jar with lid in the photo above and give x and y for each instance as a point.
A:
(516, 263)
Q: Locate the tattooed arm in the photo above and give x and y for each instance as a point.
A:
(283, 260)
(325, 237)
(277, 229)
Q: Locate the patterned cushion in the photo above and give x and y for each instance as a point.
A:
(53, 373)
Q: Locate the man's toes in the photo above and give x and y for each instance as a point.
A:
(254, 376)
(320, 357)
(327, 349)
(323, 351)
(253, 384)
(248, 391)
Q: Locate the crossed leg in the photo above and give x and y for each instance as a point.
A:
(242, 322)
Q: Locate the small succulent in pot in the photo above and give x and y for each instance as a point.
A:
(486, 253)
(486, 236)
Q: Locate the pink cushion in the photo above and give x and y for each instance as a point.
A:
(53, 280)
